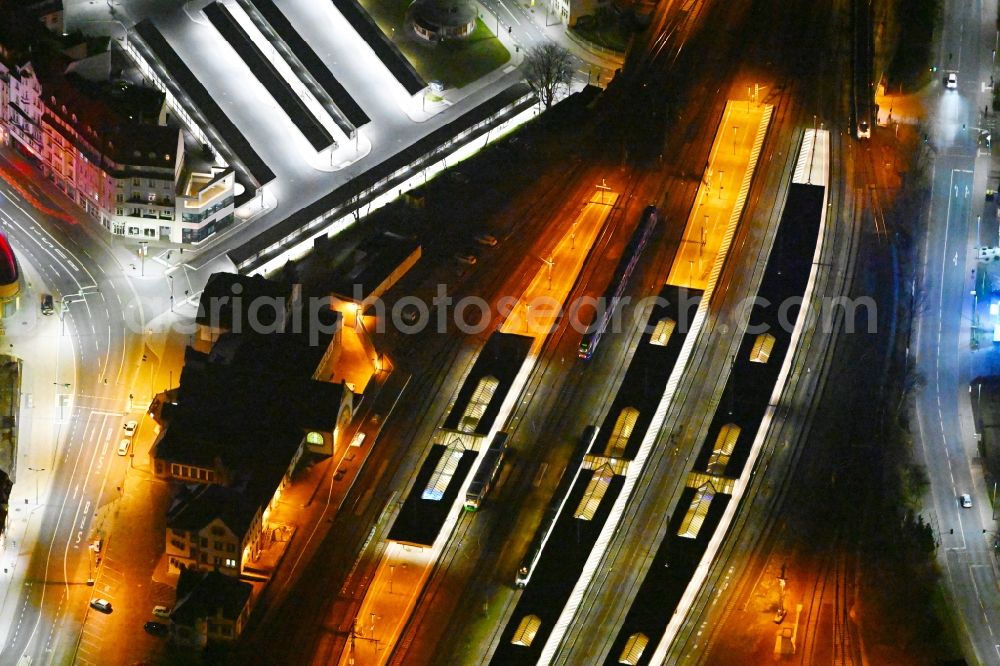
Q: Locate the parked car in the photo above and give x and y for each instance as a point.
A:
(486, 239)
(161, 611)
(156, 628)
(966, 500)
(48, 305)
(467, 259)
(123, 446)
(951, 81)
(102, 605)
(129, 428)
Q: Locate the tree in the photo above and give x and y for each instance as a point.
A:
(547, 66)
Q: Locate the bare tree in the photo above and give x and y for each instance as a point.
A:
(547, 66)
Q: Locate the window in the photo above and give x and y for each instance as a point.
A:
(624, 425)
(230, 548)
(315, 438)
(204, 558)
(231, 563)
(204, 542)
(218, 545)
(152, 183)
(526, 630)
(634, 647)
(762, 348)
(662, 332)
(135, 182)
(120, 198)
(151, 197)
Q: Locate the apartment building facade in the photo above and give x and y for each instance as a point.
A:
(111, 147)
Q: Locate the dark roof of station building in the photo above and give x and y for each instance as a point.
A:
(371, 263)
(256, 421)
(203, 594)
(196, 508)
(216, 305)
(292, 355)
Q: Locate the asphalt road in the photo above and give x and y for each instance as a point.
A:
(941, 339)
(104, 317)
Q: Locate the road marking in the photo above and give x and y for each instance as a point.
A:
(514, 18)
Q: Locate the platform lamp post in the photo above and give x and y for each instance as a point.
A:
(143, 247)
(603, 187)
(549, 263)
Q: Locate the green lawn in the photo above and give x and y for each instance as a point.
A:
(455, 63)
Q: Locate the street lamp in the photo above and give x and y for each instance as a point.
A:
(36, 469)
(171, 278)
(143, 246)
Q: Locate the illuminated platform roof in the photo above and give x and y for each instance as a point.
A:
(500, 359)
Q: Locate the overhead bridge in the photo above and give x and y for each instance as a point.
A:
(312, 129)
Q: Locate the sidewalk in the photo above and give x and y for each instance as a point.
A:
(47, 364)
